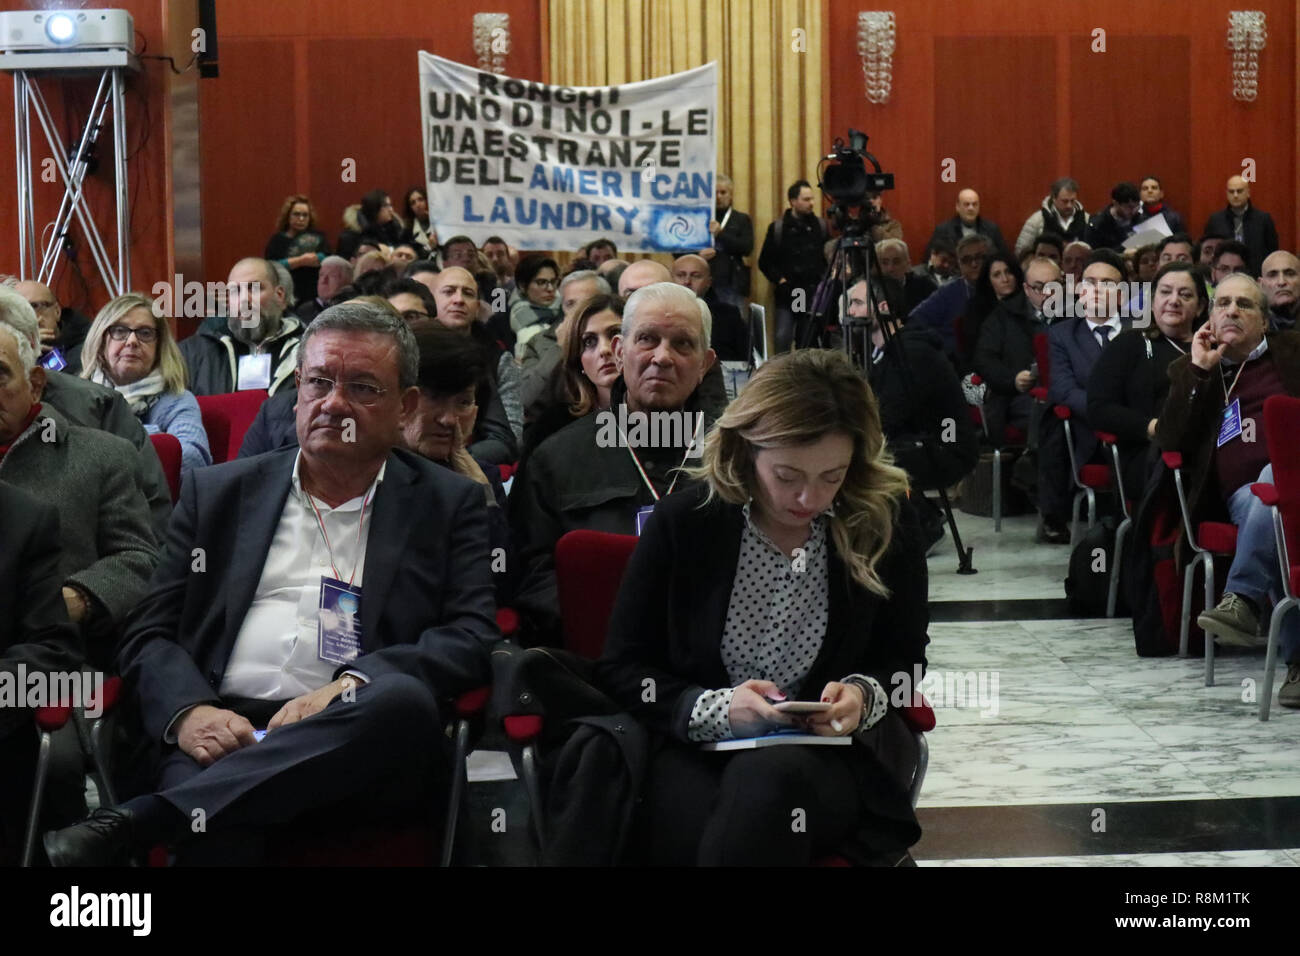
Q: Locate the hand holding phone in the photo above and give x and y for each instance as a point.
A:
(802, 706)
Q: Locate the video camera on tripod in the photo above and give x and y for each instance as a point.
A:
(847, 182)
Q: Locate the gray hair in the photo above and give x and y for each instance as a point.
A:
(19, 319)
(602, 286)
(723, 178)
(285, 281)
(893, 245)
(1258, 290)
(669, 294)
(357, 316)
(1065, 182)
(336, 264)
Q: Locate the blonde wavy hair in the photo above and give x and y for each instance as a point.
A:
(797, 399)
(167, 356)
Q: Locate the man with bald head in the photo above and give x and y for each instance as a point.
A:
(1225, 450)
(258, 349)
(641, 273)
(729, 335)
(1280, 280)
(62, 329)
(1240, 220)
(969, 222)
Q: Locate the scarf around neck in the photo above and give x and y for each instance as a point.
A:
(139, 395)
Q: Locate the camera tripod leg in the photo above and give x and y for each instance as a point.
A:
(964, 565)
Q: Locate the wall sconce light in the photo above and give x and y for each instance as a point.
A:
(876, 35)
(1247, 34)
(492, 41)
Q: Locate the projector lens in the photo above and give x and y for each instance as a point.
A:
(60, 28)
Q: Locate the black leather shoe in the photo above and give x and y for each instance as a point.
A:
(1053, 532)
(105, 838)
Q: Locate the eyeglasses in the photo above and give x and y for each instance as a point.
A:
(545, 283)
(316, 388)
(120, 333)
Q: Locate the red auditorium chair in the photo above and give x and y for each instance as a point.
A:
(168, 448)
(1013, 439)
(226, 418)
(1088, 479)
(1281, 425)
(1208, 540)
(588, 571)
(1111, 443)
(53, 718)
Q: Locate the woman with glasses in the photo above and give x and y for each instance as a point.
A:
(536, 300)
(131, 349)
(1129, 382)
(299, 246)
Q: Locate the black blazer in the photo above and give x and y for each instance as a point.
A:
(34, 625)
(427, 610)
(669, 616)
(733, 243)
(1258, 232)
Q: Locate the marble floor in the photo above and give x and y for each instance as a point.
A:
(1049, 726)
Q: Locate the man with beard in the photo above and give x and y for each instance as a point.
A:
(259, 347)
(792, 260)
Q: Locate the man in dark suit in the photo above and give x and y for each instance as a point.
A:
(729, 335)
(969, 222)
(733, 240)
(35, 634)
(257, 618)
(1073, 347)
(1240, 220)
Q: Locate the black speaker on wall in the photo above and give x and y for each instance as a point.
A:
(208, 23)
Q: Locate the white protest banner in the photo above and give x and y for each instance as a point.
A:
(555, 167)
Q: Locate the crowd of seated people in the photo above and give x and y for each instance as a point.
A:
(472, 405)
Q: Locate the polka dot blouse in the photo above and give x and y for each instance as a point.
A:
(775, 626)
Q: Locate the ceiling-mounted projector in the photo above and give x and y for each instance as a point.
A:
(51, 31)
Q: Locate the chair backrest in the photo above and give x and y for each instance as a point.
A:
(168, 448)
(1281, 426)
(226, 418)
(758, 323)
(1042, 354)
(588, 570)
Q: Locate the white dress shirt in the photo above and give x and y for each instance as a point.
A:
(275, 654)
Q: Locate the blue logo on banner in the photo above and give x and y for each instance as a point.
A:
(673, 228)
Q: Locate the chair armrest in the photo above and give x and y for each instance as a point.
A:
(1062, 412)
(473, 702)
(523, 728)
(1266, 493)
(1107, 438)
(51, 718)
(1039, 392)
(976, 380)
(920, 719)
(1172, 459)
(108, 698)
(507, 621)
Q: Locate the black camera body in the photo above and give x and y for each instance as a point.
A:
(847, 182)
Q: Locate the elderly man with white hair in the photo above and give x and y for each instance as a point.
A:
(91, 478)
(1216, 392)
(94, 406)
(603, 470)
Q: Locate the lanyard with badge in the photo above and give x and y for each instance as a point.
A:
(338, 634)
(1230, 424)
(643, 514)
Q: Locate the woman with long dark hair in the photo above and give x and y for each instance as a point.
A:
(298, 245)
